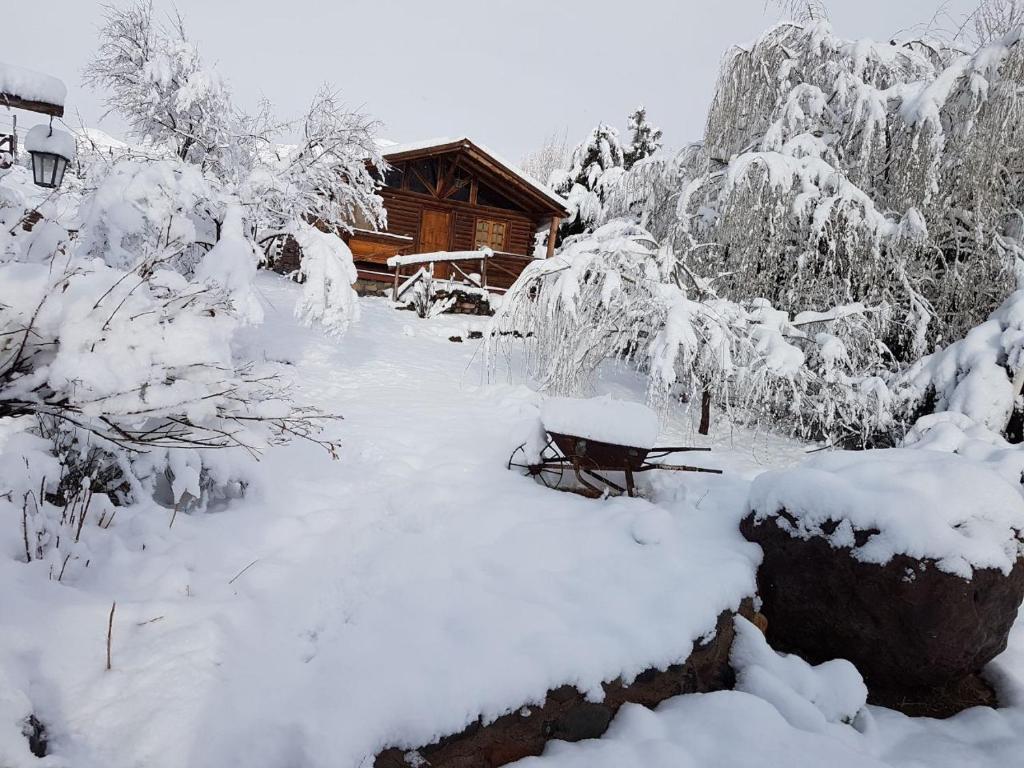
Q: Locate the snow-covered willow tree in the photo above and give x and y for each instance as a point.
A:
(594, 171)
(616, 295)
(597, 299)
(648, 193)
(843, 171)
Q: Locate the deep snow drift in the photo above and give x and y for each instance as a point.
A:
(391, 597)
(388, 598)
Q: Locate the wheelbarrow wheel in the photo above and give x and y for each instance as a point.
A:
(547, 473)
(550, 474)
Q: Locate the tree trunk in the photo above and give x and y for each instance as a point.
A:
(705, 413)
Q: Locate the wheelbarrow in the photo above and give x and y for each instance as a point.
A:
(591, 461)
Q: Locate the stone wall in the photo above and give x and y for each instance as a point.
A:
(567, 715)
(466, 303)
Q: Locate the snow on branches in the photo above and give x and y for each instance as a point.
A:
(157, 81)
(846, 171)
(595, 168)
(598, 298)
(614, 294)
(980, 376)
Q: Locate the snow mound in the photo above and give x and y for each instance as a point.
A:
(44, 138)
(603, 419)
(30, 85)
(808, 697)
(921, 503)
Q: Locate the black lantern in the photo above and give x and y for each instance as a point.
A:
(51, 150)
(48, 169)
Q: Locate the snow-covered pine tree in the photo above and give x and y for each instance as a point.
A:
(595, 170)
(645, 140)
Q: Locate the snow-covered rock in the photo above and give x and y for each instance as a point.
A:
(924, 504)
(807, 696)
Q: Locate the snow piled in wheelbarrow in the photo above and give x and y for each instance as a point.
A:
(603, 419)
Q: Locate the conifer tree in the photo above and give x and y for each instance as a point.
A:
(595, 170)
(646, 138)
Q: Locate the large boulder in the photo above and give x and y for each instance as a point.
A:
(906, 562)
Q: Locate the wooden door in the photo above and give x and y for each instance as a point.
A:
(435, 236)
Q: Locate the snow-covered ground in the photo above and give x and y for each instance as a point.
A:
(392, 596)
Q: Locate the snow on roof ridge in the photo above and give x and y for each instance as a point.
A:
(412, 146)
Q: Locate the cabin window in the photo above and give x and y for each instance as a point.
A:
(487, 196)
(393, 177)
(491, 234)
(423, 176)
(458, 187)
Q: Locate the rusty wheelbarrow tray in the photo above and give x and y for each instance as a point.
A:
(590, 459)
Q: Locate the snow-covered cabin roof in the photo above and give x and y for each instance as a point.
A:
(26, 89)
(494, 162)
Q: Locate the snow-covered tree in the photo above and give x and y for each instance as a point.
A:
(645, 139)
(596, 299)
(157, 81)
(994, 19)
(615, 294)
(649, 192)
(884, 174)
(594, 171)
(551, 156)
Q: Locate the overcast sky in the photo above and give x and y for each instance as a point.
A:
(506, 72)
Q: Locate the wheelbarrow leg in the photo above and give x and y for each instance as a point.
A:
(630, 485)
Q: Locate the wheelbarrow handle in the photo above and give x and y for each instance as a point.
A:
(685, 468)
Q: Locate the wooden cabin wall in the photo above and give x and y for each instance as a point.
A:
(404, 211)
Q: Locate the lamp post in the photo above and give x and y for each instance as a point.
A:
(51, 149)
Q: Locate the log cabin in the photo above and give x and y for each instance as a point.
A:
(453, 195)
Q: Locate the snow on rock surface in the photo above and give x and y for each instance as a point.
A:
(44, 138)
(921, 503)
(603, 419)
(30, 85)
(808, 696)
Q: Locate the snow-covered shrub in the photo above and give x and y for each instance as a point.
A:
(120, 377)
(598, 298)
(616, 295)
(980, 376)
